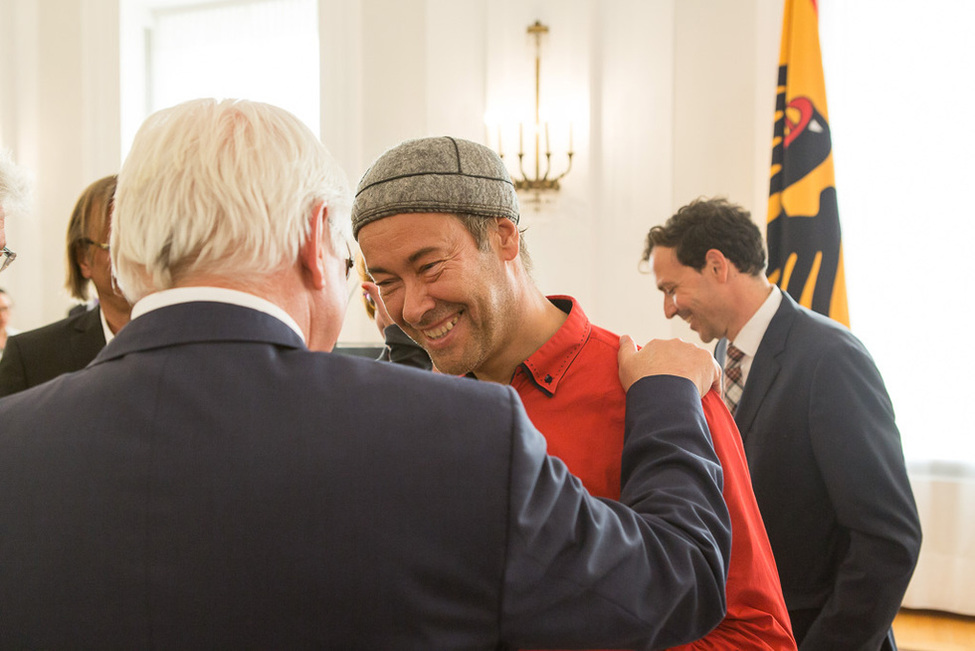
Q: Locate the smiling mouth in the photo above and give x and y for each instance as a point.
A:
(438, 333)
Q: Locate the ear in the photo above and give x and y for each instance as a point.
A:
(716, 265)
(509, 239)
(82, 258)
(311, 256)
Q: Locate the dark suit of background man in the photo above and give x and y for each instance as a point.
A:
(818, 429)
(208, 481)
(67, 345)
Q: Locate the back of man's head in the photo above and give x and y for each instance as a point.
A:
(706, 224)
(219, 189)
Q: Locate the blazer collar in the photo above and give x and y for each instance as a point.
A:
(87, 337)
(198, 322)
(766, 365)
(87, 320)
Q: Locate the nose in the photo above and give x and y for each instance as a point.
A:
(670, 306)
(416, 302)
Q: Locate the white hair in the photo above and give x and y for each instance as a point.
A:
(15, 186)
(220, 188)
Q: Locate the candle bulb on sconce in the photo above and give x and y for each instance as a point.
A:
(541, 181)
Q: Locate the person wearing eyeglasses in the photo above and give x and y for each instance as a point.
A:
(217, 478)
(14, 197)
(6, 330)
(6, 255)
(36, 356)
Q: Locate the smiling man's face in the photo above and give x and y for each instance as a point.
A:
(448, 295)
(692, 295)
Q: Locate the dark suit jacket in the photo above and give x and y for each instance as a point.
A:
(828, 472)
(209, 482)
(36, 356)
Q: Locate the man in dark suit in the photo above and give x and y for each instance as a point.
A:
(36, 356)
(817, 425)
(208, 481)
(68, 345)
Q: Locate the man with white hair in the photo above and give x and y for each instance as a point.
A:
(14, 191)
(209, 481)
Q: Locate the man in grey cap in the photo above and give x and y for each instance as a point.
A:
(437, 222)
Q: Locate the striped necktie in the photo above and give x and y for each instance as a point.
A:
(732, 381)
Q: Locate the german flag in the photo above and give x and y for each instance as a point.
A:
(805, 249)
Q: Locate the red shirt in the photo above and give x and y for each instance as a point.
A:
(572, 392)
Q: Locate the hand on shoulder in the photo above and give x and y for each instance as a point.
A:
(668, 357)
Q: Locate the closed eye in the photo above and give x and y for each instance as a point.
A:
(431, 267)
(385, 284)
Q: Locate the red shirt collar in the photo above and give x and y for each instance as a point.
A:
(547, 365)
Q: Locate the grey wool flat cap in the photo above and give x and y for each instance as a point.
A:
(435, 175)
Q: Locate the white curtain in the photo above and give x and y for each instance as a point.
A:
(265, 50)
(898, 88)
(946, 501)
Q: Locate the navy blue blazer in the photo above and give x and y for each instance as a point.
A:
(207, 482)
(828, 471)
(33, 357)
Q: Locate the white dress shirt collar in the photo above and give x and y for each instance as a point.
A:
(753, 331)
(178, 295)
(751, 335)
(109, 335)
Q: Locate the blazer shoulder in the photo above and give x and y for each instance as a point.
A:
(797, 329)
(86, 321)
(822, 333)
(413, 388)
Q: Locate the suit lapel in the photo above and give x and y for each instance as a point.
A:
(87, 338)
(765, 366)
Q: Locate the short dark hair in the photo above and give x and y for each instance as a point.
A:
(479, 227)
(706, 224)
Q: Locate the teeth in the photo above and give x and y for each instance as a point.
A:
(441, 331)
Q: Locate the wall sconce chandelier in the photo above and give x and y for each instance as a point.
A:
(541, 182)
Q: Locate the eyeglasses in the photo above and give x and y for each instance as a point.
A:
(101, 245)
(349, 261)
(8, 257)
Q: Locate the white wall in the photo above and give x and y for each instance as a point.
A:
(673, 100)
(59, 113)
(677, 99)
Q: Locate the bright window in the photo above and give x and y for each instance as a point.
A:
(897, 78)
(265, 50)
